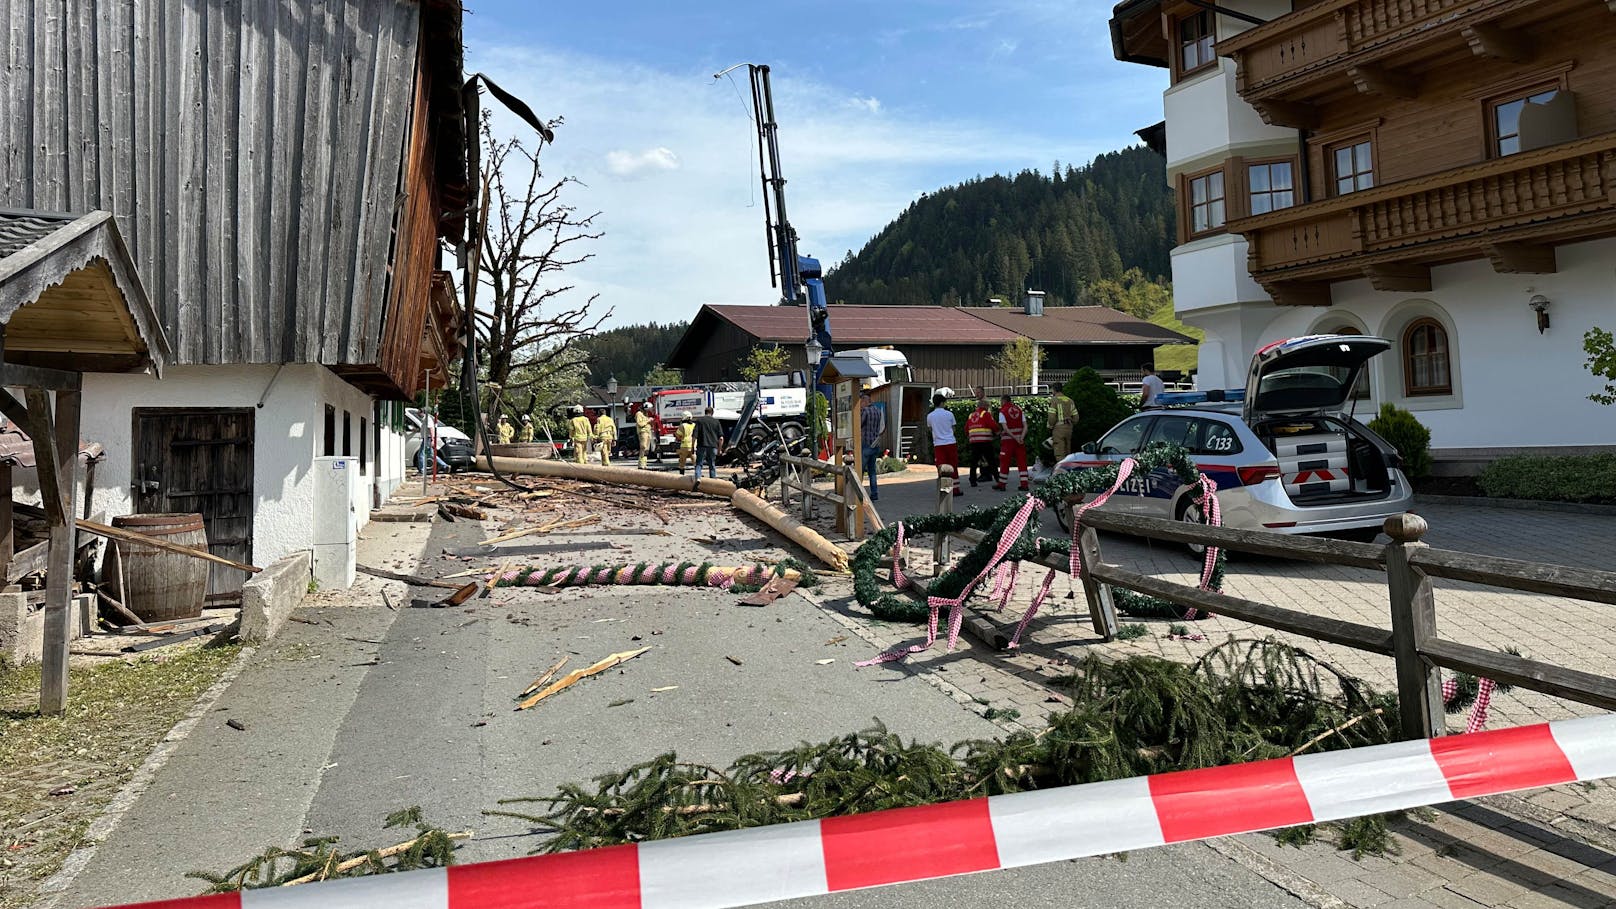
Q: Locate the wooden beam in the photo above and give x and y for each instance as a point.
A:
(1293, 114)
(43, 432)
(1406, 278)
(1522, 259)
(1498, 43)
(130, 536)
(1375, 80)
(1299, 293)
(8, 539)
(61, 511)
(1582, 687)
(13, 374)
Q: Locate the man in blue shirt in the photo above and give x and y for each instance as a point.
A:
(872, 423)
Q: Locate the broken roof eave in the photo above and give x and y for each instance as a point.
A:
(1124, 15)
(29, 276)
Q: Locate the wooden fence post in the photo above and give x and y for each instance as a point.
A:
(1102, 610)
(1419, 681)
(945, 505)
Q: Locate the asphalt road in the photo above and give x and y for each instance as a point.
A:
(365, 711)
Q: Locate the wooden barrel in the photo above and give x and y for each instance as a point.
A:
(163, 586)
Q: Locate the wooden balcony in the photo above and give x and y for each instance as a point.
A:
(1513, 210)
(1288, 66)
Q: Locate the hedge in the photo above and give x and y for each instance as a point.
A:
(1576, 478)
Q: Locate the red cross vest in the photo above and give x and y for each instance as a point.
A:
(979, 426)
(1015, 422)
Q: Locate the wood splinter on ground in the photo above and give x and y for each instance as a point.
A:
(558, 524)
(577, 675)
(545, 677)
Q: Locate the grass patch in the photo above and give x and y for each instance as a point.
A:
(1577, 478)
(115, 714)
(1182, 357)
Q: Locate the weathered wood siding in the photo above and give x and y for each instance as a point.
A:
(250, 150)
(416, 249)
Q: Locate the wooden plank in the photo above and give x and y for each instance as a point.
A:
(8, 537)
(129, 536)
(1258, 542)
(30, 560)
(1573, 685)
(1516, 574)
(1102, 608)
(1334, 631)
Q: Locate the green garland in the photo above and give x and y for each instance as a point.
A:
(995, 521)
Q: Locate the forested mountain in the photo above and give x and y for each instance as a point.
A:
(629, 352)
(997, 236)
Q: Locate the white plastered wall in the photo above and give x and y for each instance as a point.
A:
(289, 417)
(1512, 387)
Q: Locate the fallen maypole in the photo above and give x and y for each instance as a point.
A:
(684, 574)
(809, 539)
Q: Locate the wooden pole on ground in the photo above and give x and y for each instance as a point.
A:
(617, 476)
(806, 537)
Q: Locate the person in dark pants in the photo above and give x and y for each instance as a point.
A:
(709, 443)
(872, 422)
(980, 430)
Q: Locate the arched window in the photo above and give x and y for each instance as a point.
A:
(1425, 359)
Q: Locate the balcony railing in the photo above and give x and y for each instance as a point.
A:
(1310, 44)
(1551, 195)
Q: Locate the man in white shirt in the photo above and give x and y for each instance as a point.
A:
(1151, 388)
(944, 447)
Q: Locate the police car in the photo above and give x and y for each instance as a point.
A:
(1288, 458)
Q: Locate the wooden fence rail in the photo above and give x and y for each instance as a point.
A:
(1413, 642)
(854, 510)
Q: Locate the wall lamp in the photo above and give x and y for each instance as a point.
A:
(1540, 305)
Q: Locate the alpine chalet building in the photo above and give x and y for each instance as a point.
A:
(1441, 173)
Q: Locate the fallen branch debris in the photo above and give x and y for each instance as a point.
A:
(577, 675)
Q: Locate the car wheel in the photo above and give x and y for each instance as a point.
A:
(1063, 515)
(1190, 513)
(1359, 534)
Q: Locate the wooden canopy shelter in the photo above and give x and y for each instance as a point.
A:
(70, 303)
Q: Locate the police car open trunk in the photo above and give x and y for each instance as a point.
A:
(1298, 396)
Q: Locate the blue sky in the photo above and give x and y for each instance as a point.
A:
(877, 103)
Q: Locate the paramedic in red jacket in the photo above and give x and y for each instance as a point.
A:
(1013, 443)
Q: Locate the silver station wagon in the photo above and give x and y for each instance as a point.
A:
(1288, 458)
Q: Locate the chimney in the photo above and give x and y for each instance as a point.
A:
(1033, 303)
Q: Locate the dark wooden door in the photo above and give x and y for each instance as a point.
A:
(200, 460)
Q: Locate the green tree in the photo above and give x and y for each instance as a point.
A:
(762, 360)
(659, 374)
(1017, 358)
(1600, 346)
(1099, 407)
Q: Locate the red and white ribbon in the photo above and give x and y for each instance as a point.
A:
(811, 858)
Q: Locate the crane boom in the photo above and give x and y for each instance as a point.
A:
(797, 276)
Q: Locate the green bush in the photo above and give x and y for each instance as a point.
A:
(1036, 410)
(1406, 434)
(1581, 478)
(1099, 407)
(893, 465)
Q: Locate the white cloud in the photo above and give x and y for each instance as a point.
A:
(630, 164)
(686, 229)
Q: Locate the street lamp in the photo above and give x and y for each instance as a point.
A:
(815, 350)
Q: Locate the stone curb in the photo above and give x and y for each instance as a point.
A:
(1516, 504)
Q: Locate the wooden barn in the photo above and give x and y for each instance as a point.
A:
(286, 177)
(946, 346)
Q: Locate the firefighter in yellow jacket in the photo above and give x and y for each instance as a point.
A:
(578, 433)
(687, 442)
(605, 437)
(646, 432)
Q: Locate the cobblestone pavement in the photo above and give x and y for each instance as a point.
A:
(1549, 847)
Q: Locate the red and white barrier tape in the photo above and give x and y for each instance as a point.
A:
(743, 867)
